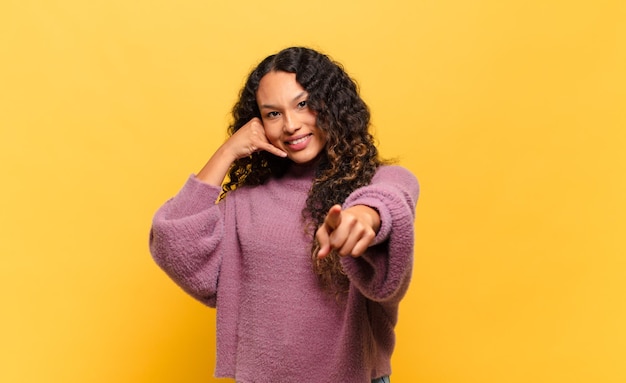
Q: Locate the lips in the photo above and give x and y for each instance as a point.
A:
(299, 143)
(298, 140)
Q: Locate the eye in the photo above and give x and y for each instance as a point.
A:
(272, 114)
(302, 104)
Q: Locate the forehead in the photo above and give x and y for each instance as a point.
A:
(278, 86)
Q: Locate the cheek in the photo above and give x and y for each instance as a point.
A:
(312, 121)
(312, 118)
(272, 132)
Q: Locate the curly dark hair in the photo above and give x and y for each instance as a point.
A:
(349, 161)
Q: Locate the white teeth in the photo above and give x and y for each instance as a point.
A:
(299, 140)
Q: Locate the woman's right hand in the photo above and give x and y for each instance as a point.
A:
(249, 139)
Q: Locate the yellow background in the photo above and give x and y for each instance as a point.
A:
(511, 114)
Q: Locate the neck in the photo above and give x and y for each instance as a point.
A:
(303, 169)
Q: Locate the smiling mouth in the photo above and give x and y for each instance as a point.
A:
(298, 140)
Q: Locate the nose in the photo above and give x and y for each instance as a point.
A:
(291, 123)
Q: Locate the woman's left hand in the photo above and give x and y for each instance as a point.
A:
(350, 231)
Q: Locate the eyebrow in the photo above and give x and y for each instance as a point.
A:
(300, 95)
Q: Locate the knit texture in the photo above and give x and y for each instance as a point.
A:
(249, 257)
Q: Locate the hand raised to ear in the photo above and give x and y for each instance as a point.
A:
(350, 231)
(251, 138)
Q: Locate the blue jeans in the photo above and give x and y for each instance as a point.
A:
(384, 379)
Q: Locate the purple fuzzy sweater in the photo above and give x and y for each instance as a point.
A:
(249, 257)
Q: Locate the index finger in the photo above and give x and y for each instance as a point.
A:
(333, 218)
(272, 149)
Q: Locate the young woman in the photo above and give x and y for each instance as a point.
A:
(308, 250)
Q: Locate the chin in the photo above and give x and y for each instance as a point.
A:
(305, 159)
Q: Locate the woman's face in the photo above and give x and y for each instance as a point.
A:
(289, 123)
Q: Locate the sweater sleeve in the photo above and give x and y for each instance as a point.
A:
(185, 239)
(383, 272)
